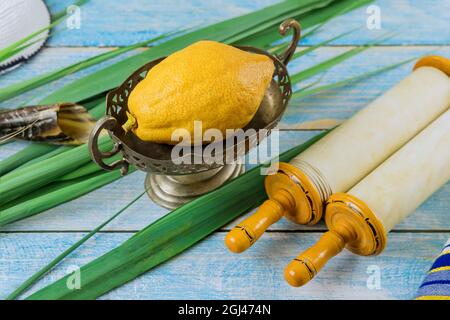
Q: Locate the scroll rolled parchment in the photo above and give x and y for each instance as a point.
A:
(361, 218)
(351, 151)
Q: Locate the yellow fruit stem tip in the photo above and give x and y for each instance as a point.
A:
(130, 123)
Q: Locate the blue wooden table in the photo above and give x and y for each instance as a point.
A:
(208, 270)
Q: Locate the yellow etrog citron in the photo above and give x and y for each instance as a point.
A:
(207, 81)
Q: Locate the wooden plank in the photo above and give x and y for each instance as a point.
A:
(209, 271)
(88, 211)
(415, 21)
(50, 60)
(85, 213)
(316, 112)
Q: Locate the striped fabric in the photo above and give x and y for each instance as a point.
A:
(436, 285)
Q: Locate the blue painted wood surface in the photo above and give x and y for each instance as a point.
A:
(417, 21)
(207, 270)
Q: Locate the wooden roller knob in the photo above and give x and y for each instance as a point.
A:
(241, 237)
(351, 223)
(303, 268)
(437, 62)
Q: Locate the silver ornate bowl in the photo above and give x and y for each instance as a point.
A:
(171, 184)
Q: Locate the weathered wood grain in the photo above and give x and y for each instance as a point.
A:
(90, 210)
(86, 212)
(209, 271)
(315, 112)
(416, 21)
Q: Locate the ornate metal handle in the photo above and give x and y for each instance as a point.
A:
(284, 28)
(107, 122)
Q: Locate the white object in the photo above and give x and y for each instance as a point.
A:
(405, 180)
(355, 148)
(18, 19)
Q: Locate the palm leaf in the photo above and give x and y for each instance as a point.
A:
(308, 92)
(318, 68)
(111, 76)
(24, 156)
(63, 12)
(173, 244)
(19, 182)
(107, 78)
(27, 85)
(10, 50)
(53, 194)
(90, 168)
(308, 20)
(337, 12)
(23, 43)
(168, 236)
(319, 45)
(30, 281)
(269, 24)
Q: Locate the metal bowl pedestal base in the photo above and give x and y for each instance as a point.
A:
(172, 191)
